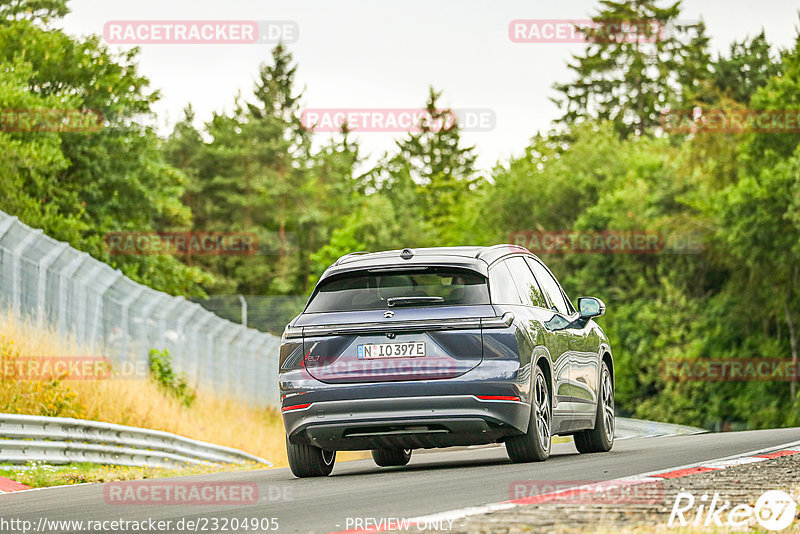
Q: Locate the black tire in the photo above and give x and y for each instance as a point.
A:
(309, 461)
(391, 457)
(601, 437)
(534, 445)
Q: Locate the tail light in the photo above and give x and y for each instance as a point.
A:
(295, 407)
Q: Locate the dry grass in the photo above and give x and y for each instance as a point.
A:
(135, 402)
(40, 475)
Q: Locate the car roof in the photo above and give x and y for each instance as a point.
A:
(475, 258)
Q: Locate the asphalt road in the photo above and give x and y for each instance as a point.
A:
(433, 482)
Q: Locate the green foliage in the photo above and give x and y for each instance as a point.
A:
(34, 10)
(749, 66)
(257, 173)
(606, 166)
(630, 79)
(160, 365)
(78, 186)
(442, 170)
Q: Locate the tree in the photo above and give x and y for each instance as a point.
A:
(433, 159)
(257, 172)
(780, 93)
(115, 178)
(42, 11)
(749, 66)
(713, 158)
(759, 213)
(628, 76)
(29, 161)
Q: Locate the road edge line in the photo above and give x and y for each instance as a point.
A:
(684, 470)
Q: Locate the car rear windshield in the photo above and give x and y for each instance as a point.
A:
(433, 286)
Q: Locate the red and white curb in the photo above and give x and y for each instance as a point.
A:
(7, 485)
(718, 464)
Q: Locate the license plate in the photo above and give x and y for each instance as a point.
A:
(409, 349)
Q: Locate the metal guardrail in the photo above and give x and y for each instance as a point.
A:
(60, 440)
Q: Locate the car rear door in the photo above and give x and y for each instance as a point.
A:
(539, 322)
(581, 385)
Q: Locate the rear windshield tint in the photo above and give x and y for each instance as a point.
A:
(372, 291)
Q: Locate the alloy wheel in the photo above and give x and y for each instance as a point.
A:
(542, 398)
(608, 405)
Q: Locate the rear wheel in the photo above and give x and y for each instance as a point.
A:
(534, 445)
(391, 457)
(309, 461)
(601, 437)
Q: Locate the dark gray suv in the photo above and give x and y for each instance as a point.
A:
(437, 347)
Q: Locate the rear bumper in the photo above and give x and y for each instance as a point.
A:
(407, 422)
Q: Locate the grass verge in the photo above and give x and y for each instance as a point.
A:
(40, 475)
(137, 402)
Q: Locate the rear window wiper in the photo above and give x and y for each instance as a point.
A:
(404, 301)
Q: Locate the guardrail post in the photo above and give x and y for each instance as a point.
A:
(44, 266)
(126, 304)
(216, 352)
(16, 269)
(252, 367)
(99, 308)
(183, 332)
(239, 347)
(172, 304)
(5, 226)
(6, 222)
(198, 333)
(144, 313)
(65, 276)
(223, 360)
(272, 370)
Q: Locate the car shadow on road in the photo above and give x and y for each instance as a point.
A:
(441, 463)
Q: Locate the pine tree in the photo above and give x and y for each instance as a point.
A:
(749, 65)
(435, 160)
(629, 76)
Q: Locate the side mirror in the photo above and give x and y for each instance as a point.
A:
(590, 307)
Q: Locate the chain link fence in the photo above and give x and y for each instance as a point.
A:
(268, 313)
(56, 286)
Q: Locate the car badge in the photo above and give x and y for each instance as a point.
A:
(388, 314)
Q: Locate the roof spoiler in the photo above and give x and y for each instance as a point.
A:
(511, 248)
(357, 253)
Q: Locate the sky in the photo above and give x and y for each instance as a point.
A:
(380, 54)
